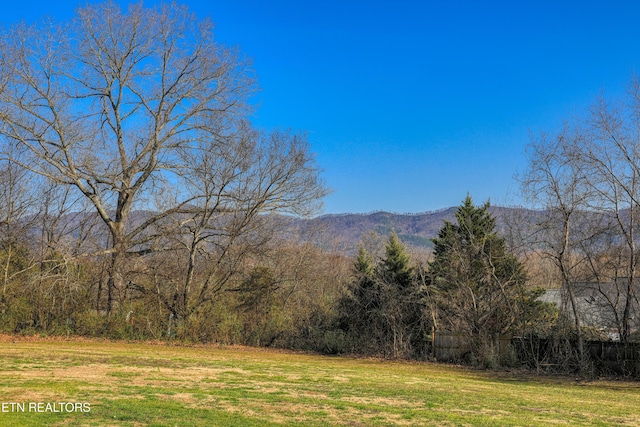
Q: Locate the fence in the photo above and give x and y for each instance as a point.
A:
(450, 346)
(603, 357)
(615, 357)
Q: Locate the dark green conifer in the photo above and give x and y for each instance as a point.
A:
(479, 284)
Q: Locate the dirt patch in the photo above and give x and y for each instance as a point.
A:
(384, 401)
(93, 373)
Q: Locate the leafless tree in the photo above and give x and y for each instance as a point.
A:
(557, 186)
(588, 179)
(17, 202)
(610, 156)
(234, 183)
(113, 104)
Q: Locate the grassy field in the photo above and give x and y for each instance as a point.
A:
(125, 384)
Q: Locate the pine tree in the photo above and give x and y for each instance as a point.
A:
(364, 291)
(359, 308)
(479, 283)
(381, 312)
(395, 268)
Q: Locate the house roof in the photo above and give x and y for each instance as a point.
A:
(599, 304)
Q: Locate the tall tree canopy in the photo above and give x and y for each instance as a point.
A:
(144, 109)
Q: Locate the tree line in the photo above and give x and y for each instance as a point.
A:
(473, 285)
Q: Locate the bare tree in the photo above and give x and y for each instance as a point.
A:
(233, 184)
(589, 180)
(17, 202)
(556, 185)
(112, 103)
(610, 156)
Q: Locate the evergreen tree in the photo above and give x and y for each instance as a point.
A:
(480, 285)
(397, 298)
(364, 292)
(381, 313)
(359, 307)
(363, 264)
(395, 268)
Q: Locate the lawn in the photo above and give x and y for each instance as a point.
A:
(102, 383)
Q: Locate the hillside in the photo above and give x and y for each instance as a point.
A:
(337, 232)
(344, 231)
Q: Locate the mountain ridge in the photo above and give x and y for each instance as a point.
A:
(346, 230)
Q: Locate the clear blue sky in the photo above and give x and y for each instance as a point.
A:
(410, 105)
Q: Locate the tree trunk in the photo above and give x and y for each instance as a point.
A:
(116, 283)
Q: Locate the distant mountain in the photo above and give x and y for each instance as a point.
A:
(337, 232)
(345, 231)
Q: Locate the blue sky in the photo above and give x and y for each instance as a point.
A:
(410, 105)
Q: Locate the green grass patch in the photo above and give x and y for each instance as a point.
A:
(133, 384)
